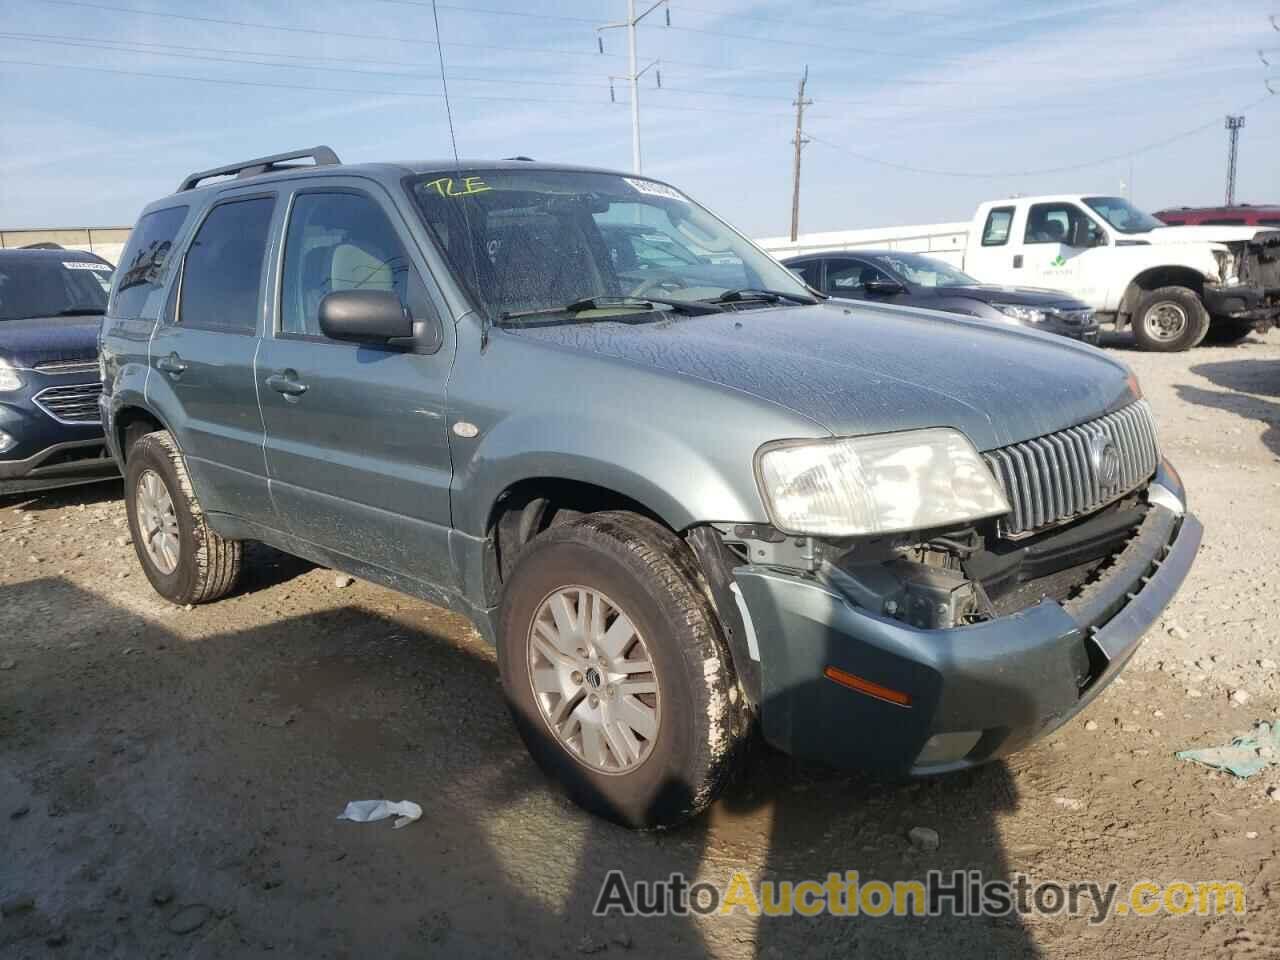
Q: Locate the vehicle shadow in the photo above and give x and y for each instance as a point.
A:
(89, 494)
(1247, 385)
(180, 788)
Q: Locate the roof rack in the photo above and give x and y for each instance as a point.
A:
(322, 156)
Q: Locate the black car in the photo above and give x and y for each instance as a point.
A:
(912, 280)
(50, 426)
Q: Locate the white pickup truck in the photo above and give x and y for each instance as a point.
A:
(1172, 285)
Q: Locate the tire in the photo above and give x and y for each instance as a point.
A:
(1169, 320)
(1228, 330)
(625, 566)
(205, 566)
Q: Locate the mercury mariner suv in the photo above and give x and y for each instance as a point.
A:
(685, 497)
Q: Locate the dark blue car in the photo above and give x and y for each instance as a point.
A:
(50, 427)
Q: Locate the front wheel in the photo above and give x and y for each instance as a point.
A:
(616, 671)
(1169, 320)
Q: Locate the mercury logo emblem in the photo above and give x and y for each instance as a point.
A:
(1105, 459)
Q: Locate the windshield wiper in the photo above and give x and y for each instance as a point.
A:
(80, 312)
(772, 296)
(690, 307)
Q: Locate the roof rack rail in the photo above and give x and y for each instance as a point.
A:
(323, 157)
(524, 158)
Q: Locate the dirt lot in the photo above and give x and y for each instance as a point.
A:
(170, 778)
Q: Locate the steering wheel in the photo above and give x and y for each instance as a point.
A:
(648, 285)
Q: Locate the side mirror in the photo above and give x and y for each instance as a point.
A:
(883, 287)
(372, 316)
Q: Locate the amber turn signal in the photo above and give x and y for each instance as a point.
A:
(854, 682)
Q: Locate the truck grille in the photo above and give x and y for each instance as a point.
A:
(74, 403)
(1067, 474)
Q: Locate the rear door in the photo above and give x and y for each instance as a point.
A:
(995, 254)
(357, 446)
(202, 357)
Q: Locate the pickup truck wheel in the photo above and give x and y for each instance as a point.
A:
(185, 561)
(1169, 320)
(616, 670)
(1225, 330)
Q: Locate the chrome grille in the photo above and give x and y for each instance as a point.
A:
(74, 403)
(58, 367)
(1067, 474)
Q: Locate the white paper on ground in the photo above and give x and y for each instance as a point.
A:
(366, 811)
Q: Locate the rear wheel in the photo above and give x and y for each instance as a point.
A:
(183, 558)
(616, 671)
(1169, 320)
(1225, 330)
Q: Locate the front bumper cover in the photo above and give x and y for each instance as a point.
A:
(996, 685)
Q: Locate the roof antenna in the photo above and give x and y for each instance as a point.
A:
(457, 169)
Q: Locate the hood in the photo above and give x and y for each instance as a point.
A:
(37, 340)
(1200, 234)
(858, 369)
(1023, 296)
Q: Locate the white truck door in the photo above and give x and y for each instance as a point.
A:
(1063, 248)
(992, 251)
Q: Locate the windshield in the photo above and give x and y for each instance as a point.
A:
(924, 271)
(531, 241)
(1123, 215)
(40, 287)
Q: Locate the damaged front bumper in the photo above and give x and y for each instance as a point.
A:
(972, 692)
(1244, 302)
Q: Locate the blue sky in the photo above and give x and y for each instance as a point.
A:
(946, 86)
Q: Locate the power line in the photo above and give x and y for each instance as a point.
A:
(1067, 168)
(634, 73)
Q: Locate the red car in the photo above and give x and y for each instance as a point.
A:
(1241, 215)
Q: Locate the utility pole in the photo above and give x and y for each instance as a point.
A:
(1233, 145)
(799, 141)
(633, 75)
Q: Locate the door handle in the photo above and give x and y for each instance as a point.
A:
(173, 365)
(286, 382)
(1017, 262)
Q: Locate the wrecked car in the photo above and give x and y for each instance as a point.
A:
(684, 503)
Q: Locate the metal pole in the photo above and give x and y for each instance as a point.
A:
(635, 85)
(799, 141)
(1233, 142)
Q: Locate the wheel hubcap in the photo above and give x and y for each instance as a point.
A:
(1166, 320)
(157, 522)
(593, 680)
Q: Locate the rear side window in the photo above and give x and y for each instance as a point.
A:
(1269, 222)
(222, 271)
(996, 231)
(142, 269)
(339, 241)
(1224, 222)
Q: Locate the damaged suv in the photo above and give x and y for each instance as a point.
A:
(684, 496)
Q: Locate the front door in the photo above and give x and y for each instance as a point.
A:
(847, 278)
(357, 448)
(1060, 244)
(202, 357)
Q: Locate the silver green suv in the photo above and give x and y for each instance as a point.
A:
(685, 495)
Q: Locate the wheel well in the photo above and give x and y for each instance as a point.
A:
(131, 423)
(527, 508)
(1154, 279)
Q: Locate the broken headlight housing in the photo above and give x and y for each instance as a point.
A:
(1228, 267)
(887, 483)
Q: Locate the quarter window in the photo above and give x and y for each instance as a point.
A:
(996, 231)
(341, 241)
(141, 271)
(222, 271)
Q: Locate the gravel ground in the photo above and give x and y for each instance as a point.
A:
(170, 778)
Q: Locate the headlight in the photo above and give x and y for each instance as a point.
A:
(886, 483)
(1016, 311)
(9, 379)
(1227, 269)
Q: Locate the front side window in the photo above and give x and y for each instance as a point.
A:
(141, 272)
(1056, 223)
(810, 271)
(538, 240)
(926, 271)
(222, 271)
(39, 286)
(338, 241)
(852, 276)
(996, 231)
(1122, 215)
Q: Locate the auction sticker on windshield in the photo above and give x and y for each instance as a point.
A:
(656, 189)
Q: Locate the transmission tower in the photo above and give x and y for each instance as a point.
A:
(1233, 145)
